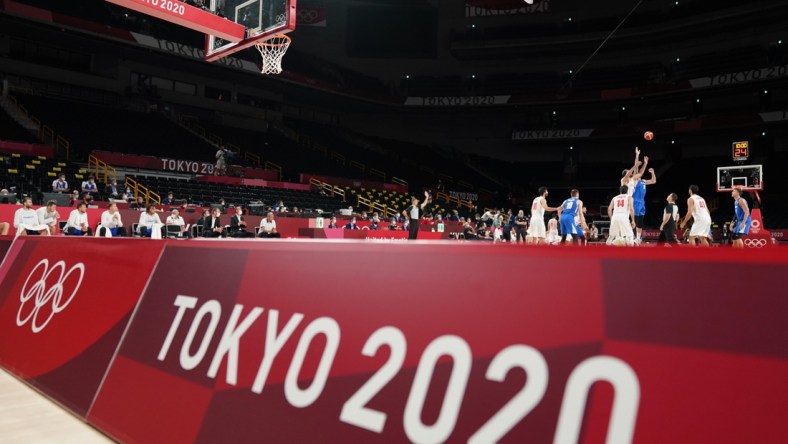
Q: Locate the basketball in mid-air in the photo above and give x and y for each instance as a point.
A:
(648, 135)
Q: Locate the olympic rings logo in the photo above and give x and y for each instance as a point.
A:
(39, 296)
(307, 15)
(755, 243)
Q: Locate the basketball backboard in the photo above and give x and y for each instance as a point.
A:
(746, 177)
(262, 19)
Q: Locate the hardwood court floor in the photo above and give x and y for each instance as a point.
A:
(27, 417)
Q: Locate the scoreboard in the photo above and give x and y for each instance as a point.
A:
(741, 151)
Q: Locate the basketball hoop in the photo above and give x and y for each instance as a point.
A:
(272, 51)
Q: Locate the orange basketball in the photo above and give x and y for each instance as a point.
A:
(648, 135)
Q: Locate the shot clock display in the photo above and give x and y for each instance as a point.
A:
(741, 151)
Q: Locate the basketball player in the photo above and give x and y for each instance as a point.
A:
(536, 232)
(669, 217)
(741, 224)
(628, 176)
(699, 213)
(552, 231)
(567, 211)
(622, 219)
(639, 198)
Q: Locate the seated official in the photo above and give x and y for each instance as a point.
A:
(212, 225)
(77, 224)
(374, 225)
(175, 219)
(110, 220)
(112, 190)
(333, 223)
(238, 224)
(468, 231)
(351, 225)
(206, 214)
(393, 224)
(268, 227)
(149, 221)
(89, 187)
(26, 220)
(169, 200)
(60, 185)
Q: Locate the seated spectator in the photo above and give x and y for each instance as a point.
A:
(149, 221)
(175, 219)
(363, 216)
(393, 224)
(89, 187)
(406, 225)
(374, 226)
(48, 215)
(87, 198)
(593, 232)
(60, 185)
(184, 204)
(74, 200)
(26, 220)
(455, 216)
(112, 190)
(212, 225)
(333, 223)
(468, 231)
(351, 225)
(169, 200)
(482, 232)
(238, 224)
(110, 220)
(280, 207)
(128, 196)
(77, 224)
(206, 214)
(268, 226)
(138, 204)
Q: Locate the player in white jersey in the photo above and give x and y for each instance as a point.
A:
(699, 212)
(536, 231)
(621, 212)
(552, 237)
(631, 176)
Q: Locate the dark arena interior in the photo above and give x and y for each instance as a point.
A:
(384, 221)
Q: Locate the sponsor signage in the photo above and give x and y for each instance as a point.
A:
(495, 8)
(552, 134)
(62, 313)
(457, 101)
(188, 16)
(733, 78)
(240, 346)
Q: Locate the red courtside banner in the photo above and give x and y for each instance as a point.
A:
(353, 342)
(64, 304)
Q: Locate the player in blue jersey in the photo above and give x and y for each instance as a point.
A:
(566, 216)
(639, 197)
(741, 224)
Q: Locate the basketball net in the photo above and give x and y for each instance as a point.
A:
(272, 51)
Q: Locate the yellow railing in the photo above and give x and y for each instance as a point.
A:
(377, 173)
(331, 190)
(454, 200)
(338, 157)
(138, 189)
(371, 205)
(62, 144)
(253, 158)
(399, 181)
(272, 166)
(359, 165)
(102, 171)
